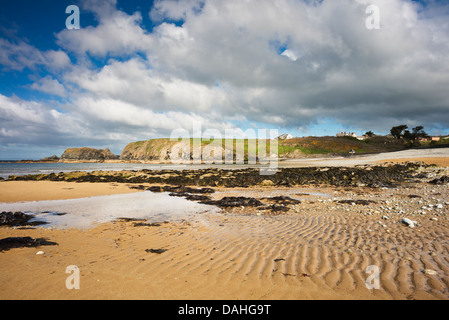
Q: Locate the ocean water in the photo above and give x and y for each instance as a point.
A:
(14, 168)
(21, 169)
(87, 212)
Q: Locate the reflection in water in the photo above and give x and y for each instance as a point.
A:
(85, 212)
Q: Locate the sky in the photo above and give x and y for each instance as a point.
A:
(136, 70)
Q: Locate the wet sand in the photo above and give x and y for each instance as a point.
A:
(17, 191)
(319, 249)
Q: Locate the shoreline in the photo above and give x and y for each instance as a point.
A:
(21, 191)
(318, 248)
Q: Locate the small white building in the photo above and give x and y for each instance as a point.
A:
(285, 136)
(347, 134)
(350, 134)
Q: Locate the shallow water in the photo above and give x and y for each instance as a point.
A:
(20, 169)
(87, 212)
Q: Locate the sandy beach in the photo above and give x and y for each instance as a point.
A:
(319, 249)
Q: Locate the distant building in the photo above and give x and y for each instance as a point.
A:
(285, 136)
(435, 138)
(347, 134)
(350, 134)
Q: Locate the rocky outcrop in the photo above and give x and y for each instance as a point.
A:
(158, 149)
(87, 154)
(53, 158)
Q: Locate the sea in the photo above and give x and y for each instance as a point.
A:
(87, 212)
(21, 168)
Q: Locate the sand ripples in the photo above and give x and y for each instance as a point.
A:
(309, 256)
(228, 256)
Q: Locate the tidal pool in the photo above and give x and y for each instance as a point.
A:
(87, 212)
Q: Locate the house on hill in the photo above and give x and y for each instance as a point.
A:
(350, 134)
(285, 136)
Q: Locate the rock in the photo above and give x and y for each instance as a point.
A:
(21, 242)
(40, 253)
(434, 219)
(283, 200)
(157, 251)
(440, 181)
(267, 183)
(15, 219)
(408, 222)
(53, 158)
(80, 154)
(234, 202)
(356, 202)
(429, 272)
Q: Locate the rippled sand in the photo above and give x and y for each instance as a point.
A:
(320, 249)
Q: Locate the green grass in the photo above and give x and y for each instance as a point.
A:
(305, 145)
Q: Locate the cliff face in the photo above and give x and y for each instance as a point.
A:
(167, 150)
(158, 149)
(88, 154)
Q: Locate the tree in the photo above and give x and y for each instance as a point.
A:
(412, 137)
(397, 132)
(418, 132)
(369, 134)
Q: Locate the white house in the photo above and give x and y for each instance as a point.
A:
(350, 134)
(285, 136)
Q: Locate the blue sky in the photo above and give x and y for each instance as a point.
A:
(141, 69)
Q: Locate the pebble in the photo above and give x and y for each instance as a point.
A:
(430, 272)
(408, 222)
(40, 252)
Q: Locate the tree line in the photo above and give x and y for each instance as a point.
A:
(402, 132)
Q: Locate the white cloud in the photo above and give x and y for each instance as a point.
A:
(221, 62)
(49, 85)
(289, 54)
(117, 34)
(20, 55)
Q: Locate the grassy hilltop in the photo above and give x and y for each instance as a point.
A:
(160, 149)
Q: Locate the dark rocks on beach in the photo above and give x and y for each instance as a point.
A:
(191, 197)
(373, 176)
(283, 200)
(157, 251)
(275, 208)
(22, 242)
(13, 219)
(234, 202)
(440, 181)
(148, 224)
(357, 202)
(180, 189)
(139, 187)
